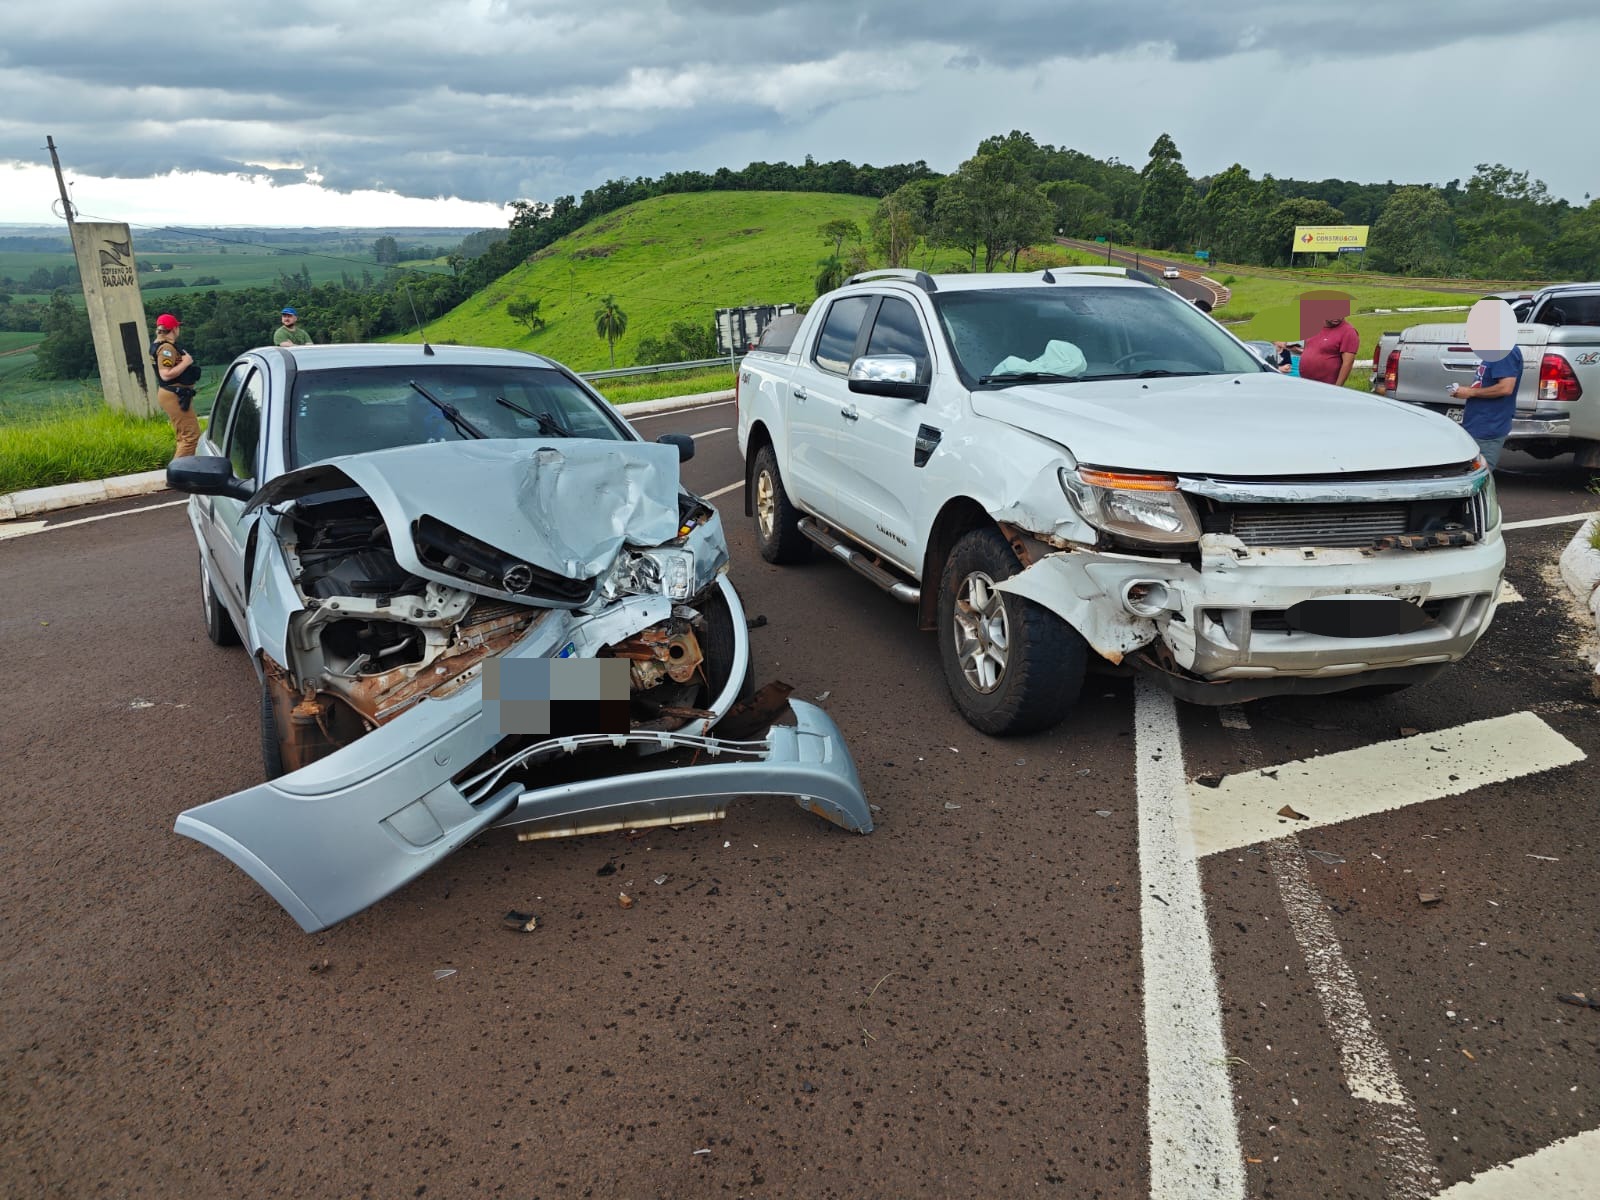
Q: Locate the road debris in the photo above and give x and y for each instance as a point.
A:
(824, 696)
(1409, 731)
(1325, 857)
(1470, 1055)
(1210, 781)
(951, 806)
(609, 869)
(1581, 999)
(321, 968)
(1286, 811)
(1542, 857)
(707, 1150)
(756, 622)
(520, 922)
(1429, 897)
(659, 880)
(444, 972)
(625, 900)
(1102, 812)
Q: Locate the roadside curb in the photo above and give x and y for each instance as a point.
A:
(1580, 570)
(95, 491)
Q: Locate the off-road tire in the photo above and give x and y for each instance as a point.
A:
(777, 520)
(1045, 658)
(219, 625)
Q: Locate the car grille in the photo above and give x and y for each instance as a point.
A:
(1346, 525)
(1275, 620)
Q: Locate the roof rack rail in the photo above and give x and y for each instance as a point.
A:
(1128, 272)
(921, 278)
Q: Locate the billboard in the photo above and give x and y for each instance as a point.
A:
(1328, 239)
(116, 315)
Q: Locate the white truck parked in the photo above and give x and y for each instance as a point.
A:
(1074, 462)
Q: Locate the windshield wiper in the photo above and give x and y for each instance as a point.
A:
(1030, 377)
(1152, 373)
(547, 421)
(451, 412)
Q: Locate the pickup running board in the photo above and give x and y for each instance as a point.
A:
(859, 562)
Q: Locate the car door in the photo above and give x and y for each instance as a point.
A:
(228, 525)
(213, 441)
(877, 440)
(818, 397)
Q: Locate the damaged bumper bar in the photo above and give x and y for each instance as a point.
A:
(325, 857)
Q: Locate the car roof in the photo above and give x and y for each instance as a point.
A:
(337, 355)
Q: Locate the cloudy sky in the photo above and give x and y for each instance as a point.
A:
(346, 112)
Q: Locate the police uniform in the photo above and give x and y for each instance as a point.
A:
(176, 393)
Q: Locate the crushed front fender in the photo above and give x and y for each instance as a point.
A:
(325, 857)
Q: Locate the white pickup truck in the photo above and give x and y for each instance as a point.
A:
(1558, 400)
(1058, 464)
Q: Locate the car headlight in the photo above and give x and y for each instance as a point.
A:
(1138, 506)
(667, 572)
(1489, 498)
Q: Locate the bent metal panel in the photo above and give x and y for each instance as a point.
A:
(116, 314)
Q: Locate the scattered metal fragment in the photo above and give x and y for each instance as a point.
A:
(1542, 857)
(824, 696)
(609, 869)
(1429, 897)
(444, 972)
(951, 805)
(625, 900)
(1210, 781)
(660, 879)
(1581, 999)
(1409, 731)
(1286, 811)
(756, 622)
(1325, 857)
(1102, 812)
(520, 922)
(705, 1151)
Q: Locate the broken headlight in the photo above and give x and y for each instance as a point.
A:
(669, 573)
(1133, 505)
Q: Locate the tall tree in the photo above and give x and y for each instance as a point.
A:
(895, 226)
(993, 202)
(524, 310)
(1412, 233)
(839, 231)
(1163, 185)
(1278, 225)
(386, 250)
(1506, 221)
(610, 322)
(1080, 210)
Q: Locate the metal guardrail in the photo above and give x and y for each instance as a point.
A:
(730, 362)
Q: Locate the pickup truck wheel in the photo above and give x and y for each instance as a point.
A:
(778, 533)
(1011, 666)
(219, 625)
(1370, 691)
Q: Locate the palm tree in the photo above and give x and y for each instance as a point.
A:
(610, 322)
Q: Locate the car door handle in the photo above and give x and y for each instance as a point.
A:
(799, 392)
(850, 414)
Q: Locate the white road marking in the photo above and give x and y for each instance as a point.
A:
(1509, 594)
(1330, 788)
(1534, 524)
(723, 491)
(1567, 1170)
(1194, 1140)
(672, 413)
(709, 432)
(1388, 1112)
(24, 528)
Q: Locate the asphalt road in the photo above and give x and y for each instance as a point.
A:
(954, 1005)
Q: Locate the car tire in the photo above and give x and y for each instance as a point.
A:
(1011, 666)
(219, 625)
(718, 645)
(1371, 691)
(271, 750)
(778, 535)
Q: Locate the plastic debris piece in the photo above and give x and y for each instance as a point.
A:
(520, 922)
(756, 622)
(444, 972)
(1542, 857)
(874, 808)
(1208, 780)
(660, 879)
(1272, 774)
(1325, 857)
(808, 1087)
(625, 900)
(609, 869)
(1581, 999)
(705, 1151)
(1429, 897)
(1286, 811)
(1102, 812)
(824, 696)
(1409, 731)
(320, 968)
(1470, 1055)
(951, 806)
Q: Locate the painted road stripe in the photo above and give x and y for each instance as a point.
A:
(1509, 594)
(24, 528)
(1535, 524)
(1194, 1140)
(1567, 1170)
(1330, 788)
(723, 491)
(709, 432)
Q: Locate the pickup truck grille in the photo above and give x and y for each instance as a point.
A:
(1342, 525)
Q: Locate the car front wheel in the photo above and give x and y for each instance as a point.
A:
(778, 533)
(1011, 666)
(219, 625)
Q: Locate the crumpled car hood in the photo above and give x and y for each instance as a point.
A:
(1232, 425)
(566, 505)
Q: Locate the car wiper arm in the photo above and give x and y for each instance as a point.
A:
(451, 412)
(1030, 377)
(1152, 373)
(547, 421)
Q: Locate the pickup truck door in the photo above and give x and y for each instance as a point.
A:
(817, 398)
(877, 442)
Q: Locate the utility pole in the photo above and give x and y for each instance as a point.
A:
(66, 201)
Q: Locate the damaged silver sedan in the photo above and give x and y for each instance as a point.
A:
(473, 597)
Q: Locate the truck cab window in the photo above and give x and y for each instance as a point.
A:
(836, 343)
(897, 331)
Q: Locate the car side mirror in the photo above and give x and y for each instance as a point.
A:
(893, 375)
(682, 441)
(207, 475)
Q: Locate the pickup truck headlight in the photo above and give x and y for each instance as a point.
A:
(1133, 505)
(667, 572)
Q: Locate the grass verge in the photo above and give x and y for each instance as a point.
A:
(69, 444)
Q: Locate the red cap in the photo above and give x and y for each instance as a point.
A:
(166, 321)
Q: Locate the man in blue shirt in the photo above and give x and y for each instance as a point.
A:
(1491, 403)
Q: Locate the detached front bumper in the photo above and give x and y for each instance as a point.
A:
(1226, 621)
(325, 856)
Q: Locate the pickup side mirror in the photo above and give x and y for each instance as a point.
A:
(893, 375)
(682, 441)
(207, 475)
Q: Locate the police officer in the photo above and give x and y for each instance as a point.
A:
(178, 372)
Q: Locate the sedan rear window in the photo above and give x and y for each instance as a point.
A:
(356, 410)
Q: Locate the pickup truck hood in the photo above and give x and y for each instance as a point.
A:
(1232, 425)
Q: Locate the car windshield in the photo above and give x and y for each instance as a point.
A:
(355, 410)
(1065, 334)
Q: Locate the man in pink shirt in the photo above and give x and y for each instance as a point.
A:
(1330, 353)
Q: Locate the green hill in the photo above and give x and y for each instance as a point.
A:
(673, 258)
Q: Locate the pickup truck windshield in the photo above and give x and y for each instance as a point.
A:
(1064, 334)
(355, 410)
